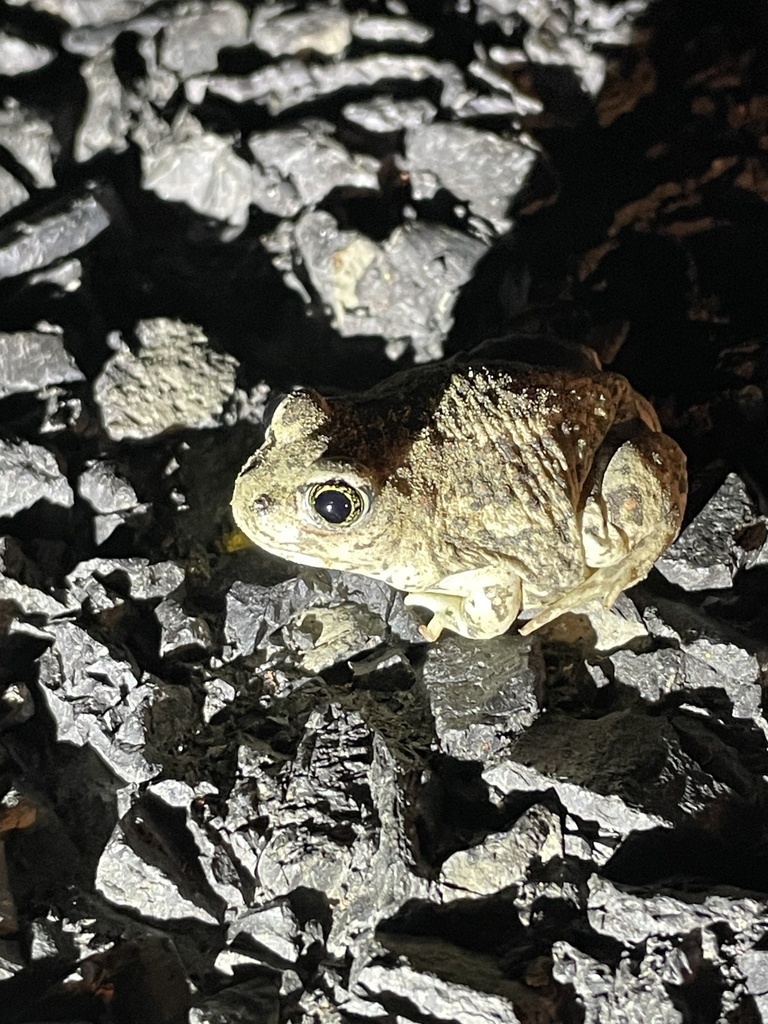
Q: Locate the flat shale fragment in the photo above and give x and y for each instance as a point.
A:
(482, 169)
(707, 555)
(30, 360)
(380, 29)
(254, 1000)
(87, 12)
(320, 28)
(482, 693)
(401, 289)
(22, 583)
(28, 474)
(105, 582)
(18, 57)
(39, 241)
(184, 163)
(128, 880)
(598, 992)
(181, 633)
(424, 995)
(110, 495)
(257, 615)
(383, 114)
(96, 699)
(336, 819)
(107, 117)
(503, 859)
(194, 36)
(12, 192)
(292, 83)
(297, 167)
(30, 141)
(189, 382)
(700, 664)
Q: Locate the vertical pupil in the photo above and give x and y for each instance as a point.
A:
(334, 506)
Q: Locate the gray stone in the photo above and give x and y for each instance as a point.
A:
(16, 706)
(706, 555)
(142, 579)
(291, 83)
(12, 960)
(181, 633)
(19, 57)
(424, 995)
(478, 167)
(274, 928)
(107, 115)
(373, 28)
(66, 275)
(601, 994)
(128, 880)
(504, 95)
(23, 584)
(87, 12)
(33, 244)
(96, 699)
(105, 490)
(337, 824)
(727, 923)
(12, 192)
(245, 1003)
(30, 360)
(382, 114)
(503, 859)
(482, 693)
(29, 140)
(145, 20)
(215, 862)
(754, 967)
(256, 616)
(189, 383)
(614, 817)
(197, 31)
(400, 289)
(543, 46)
(46, 939)
(298, 166)
(218, 695)
(700, 664)
(28, 474)
(327, 636)
(184, 163)
(279, 31)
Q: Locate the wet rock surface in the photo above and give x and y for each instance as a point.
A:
(232, 790)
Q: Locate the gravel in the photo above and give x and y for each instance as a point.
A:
(233, 790)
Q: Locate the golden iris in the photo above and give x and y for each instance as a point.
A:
(337, 502)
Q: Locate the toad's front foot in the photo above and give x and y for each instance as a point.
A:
(471, 603)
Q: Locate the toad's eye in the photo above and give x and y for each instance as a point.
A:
(337, 502)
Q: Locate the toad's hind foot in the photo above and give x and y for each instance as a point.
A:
(641, 499)
(603, 586)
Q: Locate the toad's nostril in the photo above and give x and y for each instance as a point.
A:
(262, 504)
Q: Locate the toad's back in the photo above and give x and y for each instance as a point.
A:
(503, 465)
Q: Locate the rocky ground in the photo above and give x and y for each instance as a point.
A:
(233, 790)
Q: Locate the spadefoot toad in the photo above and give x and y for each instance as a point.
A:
(484, 489)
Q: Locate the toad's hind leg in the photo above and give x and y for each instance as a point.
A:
(632, 514)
